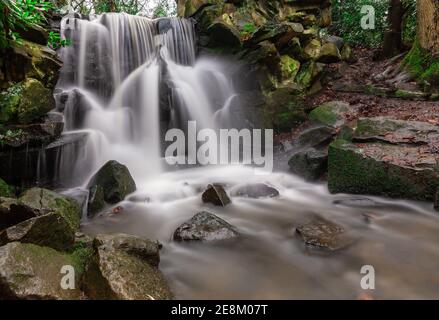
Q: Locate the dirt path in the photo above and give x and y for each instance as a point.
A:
(362, 73)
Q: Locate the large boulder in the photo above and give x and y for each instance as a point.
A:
(216, 195)
(30, 272)
(45, 201)
(386, 157)
(111, 184)
(125, 267)
(49, 230)
(205, 226)
(25, 102)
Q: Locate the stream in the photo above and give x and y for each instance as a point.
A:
(114, 77)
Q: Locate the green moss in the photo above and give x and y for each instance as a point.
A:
(288, 67)
(5, 190)
(351, 171)
(82, 255)
(422, 65)
(323, 114)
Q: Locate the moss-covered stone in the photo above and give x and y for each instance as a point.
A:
(331, 113)
(25, 102)
(312, 49)
(329, 53)
(371, 169)
(28, 271)
(117, 272)
(308, 73)
(47, 201)
(49, 230)
(115, 180)
(288, 67)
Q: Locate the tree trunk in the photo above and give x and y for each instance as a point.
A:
(428, 25)
(393, 37)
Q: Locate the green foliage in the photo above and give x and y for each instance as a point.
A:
(347, 17)
(20, 14)
(55, 41)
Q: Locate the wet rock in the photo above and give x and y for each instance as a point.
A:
(27, 166)
(323, 234)
(125, 267)
(31, 272)
(333, 113)
(256, 190)
(309, 164)
(46, 201)
(205, 226)
(96, 200)
(49, 230)
(216, 195)
(113, 182)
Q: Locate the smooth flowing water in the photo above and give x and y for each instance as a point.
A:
(126, 80)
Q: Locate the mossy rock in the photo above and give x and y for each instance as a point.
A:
(5, 190)
(411, 95)
(25, 102)
(331, 113)
(312, 49)
(112, 183)
(368, 169)
(121, 268)
(308, 73)
(28, 271)
(329, 53)
(289, 67)
(285, 108)
(47, 201)
(49, 230)
(309, 164)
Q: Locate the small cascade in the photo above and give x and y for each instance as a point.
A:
(125, 80)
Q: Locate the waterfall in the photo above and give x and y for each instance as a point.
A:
(126, 79)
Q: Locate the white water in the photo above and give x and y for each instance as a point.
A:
(116, 65)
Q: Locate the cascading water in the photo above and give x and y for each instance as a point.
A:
(125, 81)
